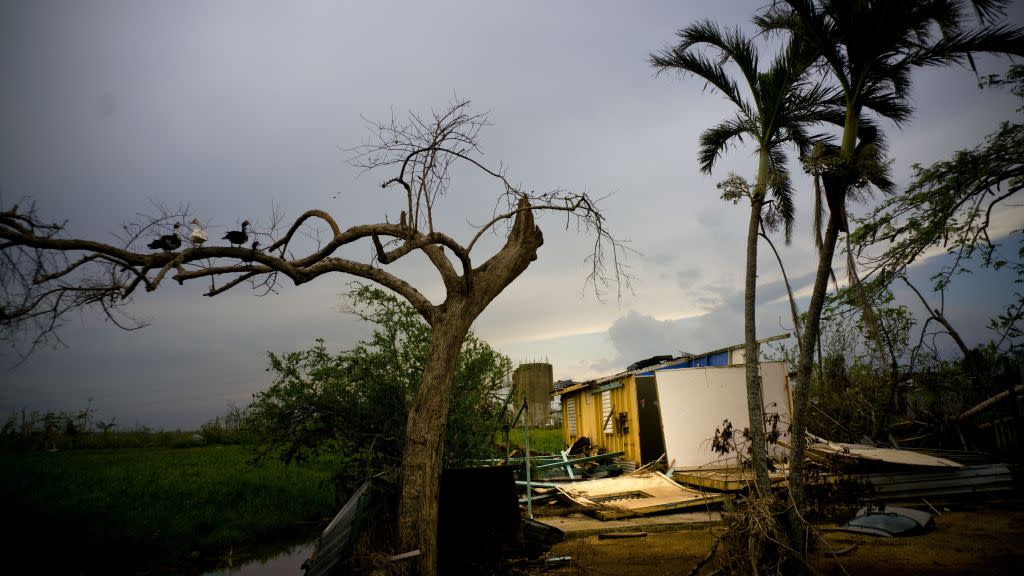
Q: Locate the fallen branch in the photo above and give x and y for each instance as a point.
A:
(982, 406)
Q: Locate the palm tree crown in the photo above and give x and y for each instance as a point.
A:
(782, 104)
(870, 47)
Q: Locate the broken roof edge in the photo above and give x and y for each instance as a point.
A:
(576, 386)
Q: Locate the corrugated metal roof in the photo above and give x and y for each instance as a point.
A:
(679, 362)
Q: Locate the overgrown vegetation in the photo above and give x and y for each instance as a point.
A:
(130, 510)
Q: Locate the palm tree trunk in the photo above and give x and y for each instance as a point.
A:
(424, 441)
(805, 366)
(812, 326)
(755, 397)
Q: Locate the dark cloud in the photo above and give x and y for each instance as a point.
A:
(108, 105)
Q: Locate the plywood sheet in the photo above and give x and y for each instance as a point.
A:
(635, 495)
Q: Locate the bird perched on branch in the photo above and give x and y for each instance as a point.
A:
(197, 236)
(254, 249)
(236, 236)
(168, 242)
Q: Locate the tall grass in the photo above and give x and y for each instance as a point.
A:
(111, 511)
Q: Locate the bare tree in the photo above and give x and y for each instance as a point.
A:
(44, 275)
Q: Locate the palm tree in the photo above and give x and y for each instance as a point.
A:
(781, 105)
(869, 48)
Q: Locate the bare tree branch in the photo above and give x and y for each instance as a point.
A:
(44, 274)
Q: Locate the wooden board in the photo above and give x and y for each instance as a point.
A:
(723, 479)
(635, 495)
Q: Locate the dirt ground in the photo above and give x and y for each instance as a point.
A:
(969, 538)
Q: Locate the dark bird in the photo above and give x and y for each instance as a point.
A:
(167, 242)
(255, 249)
(238, 237)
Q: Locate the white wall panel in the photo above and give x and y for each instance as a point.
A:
(695, 401)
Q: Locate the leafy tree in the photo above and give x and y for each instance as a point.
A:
(869, 48)
(781, 104)
(849, 393)
(353, 405)
(949, 206)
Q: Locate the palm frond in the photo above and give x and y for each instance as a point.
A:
(715, 141)
(686, 61)
(731, 44)
(783, 210)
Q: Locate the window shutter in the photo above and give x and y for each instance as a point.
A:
(606, 411)
(570, 408)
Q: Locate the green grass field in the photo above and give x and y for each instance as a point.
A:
(157, 508)
(541, 439)
(120, 510)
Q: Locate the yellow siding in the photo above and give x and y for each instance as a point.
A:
(590, 423)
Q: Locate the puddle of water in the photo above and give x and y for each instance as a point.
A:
(287, 562)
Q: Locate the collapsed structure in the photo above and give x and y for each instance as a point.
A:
(670, 407)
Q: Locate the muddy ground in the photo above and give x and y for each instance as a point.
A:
(969, 538)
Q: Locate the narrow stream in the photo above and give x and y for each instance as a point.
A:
(283, 562)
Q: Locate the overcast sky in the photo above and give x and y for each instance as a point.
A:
(235, 108)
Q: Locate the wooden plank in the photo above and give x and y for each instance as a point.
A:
(707, 500)
(722, 479)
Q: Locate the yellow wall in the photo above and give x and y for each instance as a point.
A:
(590, 423)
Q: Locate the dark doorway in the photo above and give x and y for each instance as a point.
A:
(652, 441)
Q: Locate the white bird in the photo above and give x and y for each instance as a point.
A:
(197, 236)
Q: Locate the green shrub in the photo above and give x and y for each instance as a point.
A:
(353, 404)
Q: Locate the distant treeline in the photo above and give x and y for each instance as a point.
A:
(60, 430)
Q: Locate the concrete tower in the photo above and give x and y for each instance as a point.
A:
(534, 381)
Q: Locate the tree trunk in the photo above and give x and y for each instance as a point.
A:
(755, 397)
(424, 441)
(805, 366)
(812, 326)
(428, 417)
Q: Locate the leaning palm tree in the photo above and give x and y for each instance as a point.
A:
(869, 48)
(780, 105)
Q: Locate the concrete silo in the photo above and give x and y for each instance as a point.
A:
(534, 381)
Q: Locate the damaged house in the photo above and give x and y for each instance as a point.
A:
(670, 406)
